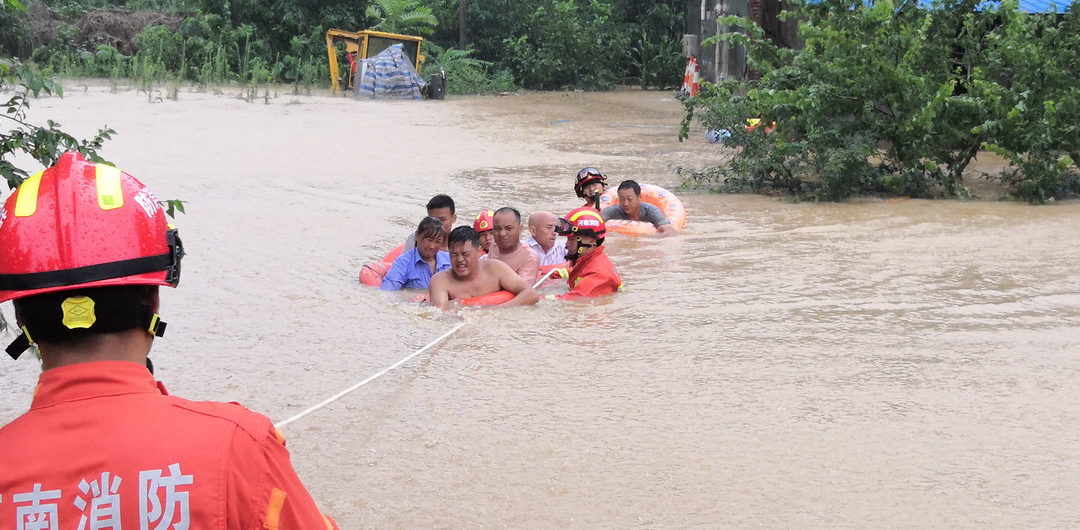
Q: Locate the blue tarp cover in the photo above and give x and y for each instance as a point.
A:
(390, 75)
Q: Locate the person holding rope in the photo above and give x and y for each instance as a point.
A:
(469, 276)
(83, 249)
(592, 273)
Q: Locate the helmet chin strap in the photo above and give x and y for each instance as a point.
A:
(144, 318)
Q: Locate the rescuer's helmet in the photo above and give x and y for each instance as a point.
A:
(585, 177)
(485, 220)
(78, 226)
(583, 221)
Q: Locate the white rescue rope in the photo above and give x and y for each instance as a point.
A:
(341, 394)
(544, 277)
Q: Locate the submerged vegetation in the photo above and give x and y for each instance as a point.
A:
(892, 98)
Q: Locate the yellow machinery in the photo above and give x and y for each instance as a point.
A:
(364, 44)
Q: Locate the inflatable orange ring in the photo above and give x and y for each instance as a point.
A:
(668, 203)
(372, 273)
(496, 298)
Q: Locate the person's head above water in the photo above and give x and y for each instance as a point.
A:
(430, 237)
(464, 245)
(507, 229)
(589, 182)
(441, 207)
(630, 197)
(542, 227)
(584, 229)
(484, 225)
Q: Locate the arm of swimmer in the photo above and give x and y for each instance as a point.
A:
(510, 281)
(438, 295)
(665, 230)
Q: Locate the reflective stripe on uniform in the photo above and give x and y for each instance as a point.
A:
(273, 510)
(26, 201)
(110, 195)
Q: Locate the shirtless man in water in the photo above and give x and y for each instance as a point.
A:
(468, 276)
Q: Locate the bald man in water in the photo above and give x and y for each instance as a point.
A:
(550, 248)
(469, 277)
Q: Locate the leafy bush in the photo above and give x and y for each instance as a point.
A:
(45, 143)
(897, 99)
(467, 75)
(657, 55)
(569, 45)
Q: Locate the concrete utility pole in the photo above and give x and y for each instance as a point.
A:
(718, 61)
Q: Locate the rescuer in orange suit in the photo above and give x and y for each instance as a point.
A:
(83, 249)
(592, 273)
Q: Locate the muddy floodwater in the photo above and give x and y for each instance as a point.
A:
(877, 363)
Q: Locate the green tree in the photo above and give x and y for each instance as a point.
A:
(567, 44)
(401, 16)
(894, 98)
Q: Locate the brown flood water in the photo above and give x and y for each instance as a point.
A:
(906, 363)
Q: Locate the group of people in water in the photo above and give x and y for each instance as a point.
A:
(467, 262)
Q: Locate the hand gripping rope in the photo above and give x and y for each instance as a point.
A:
(353, 388)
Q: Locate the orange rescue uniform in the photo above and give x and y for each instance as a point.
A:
(592, 275)
(104, 446)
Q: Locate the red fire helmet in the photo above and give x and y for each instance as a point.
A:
(583, 220)
(80, 224)
(485, 220)
(588, 176)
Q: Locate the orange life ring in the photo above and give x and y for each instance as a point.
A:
(496, 298)
(668, 203)
(372, 273)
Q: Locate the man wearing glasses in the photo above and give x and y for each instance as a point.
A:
(592, 274)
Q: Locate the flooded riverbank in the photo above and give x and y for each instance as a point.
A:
(907, 363)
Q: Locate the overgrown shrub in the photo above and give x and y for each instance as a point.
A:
(897, 99)
(467, 75)
(569, 45)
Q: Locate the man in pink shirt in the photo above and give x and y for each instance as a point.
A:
(508, 247)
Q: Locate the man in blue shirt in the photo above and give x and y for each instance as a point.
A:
(414, 268)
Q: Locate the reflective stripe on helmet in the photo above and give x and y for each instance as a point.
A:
(110, 195)
(26, 201)
(590, 213)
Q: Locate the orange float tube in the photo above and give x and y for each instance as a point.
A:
(372, 273)
(668, 203)
(496, 298)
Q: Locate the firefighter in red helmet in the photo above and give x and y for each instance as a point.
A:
(83, 249)
(592, 273)
(589, 185)
(484, 224)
